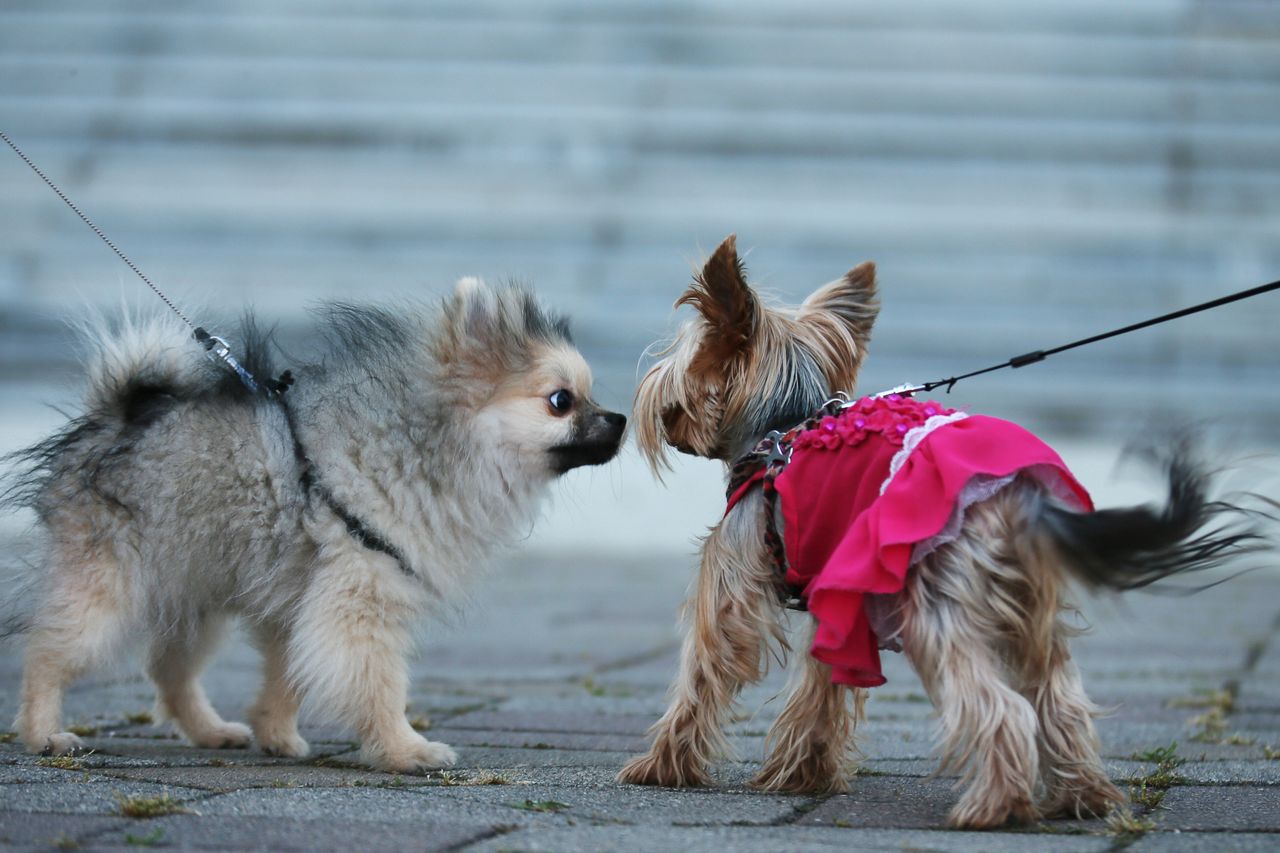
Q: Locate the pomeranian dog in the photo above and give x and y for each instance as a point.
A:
(900, 524)
(328, 518)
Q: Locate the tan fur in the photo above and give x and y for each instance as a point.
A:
(980, 616)
(433, 428)
(810, 746)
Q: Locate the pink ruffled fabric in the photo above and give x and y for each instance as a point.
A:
(845, 539)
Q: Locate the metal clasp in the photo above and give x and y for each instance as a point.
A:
(906, 389)
(775, 451)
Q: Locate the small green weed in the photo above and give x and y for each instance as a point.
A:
(151, 839)
(148, 807)
(1147, 796)
(1223, 700)
(140, 718)
(1161, 755)
(451, 778)
(64, 762)
(1150, 789)
(1125, 822)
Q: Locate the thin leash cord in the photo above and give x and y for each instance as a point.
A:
(216, 347)
(96, 230)
(1036, 356)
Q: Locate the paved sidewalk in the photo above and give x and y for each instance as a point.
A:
(549, 684)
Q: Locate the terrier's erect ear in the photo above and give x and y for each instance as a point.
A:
(725, 300)
(851, 299)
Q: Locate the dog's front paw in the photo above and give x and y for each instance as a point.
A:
(62, 743)
(814, 775)
(665, 770)
(1095, 798)
(411, 756)
(222, 736)
(286, 745)
(980, 810)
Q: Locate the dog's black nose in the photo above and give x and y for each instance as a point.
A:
(615, 420)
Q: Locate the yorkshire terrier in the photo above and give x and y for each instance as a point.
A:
(901, 525)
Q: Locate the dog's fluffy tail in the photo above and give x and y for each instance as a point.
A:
(1131, 547)
(137, 370)
(136, 360)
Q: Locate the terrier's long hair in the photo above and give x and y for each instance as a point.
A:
(980, 616)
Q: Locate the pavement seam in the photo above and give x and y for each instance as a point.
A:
(638, 658)
(486, 835)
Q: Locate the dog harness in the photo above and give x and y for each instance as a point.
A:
(867, 489)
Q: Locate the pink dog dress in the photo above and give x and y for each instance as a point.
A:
(871, 490)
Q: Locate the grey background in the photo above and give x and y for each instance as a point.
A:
(1024, 173)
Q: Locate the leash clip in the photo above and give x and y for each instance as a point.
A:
(776, 452)
(217, 349)
(906, 389)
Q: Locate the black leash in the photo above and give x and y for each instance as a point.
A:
(1039, 355)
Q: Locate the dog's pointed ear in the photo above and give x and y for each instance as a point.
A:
(720, 293)
(852, 299)
(476, 305)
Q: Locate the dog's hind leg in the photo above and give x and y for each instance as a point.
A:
(274, 715)
(954, 632)
(732, 615)
(1076, 781)
(175, 664)
(79, 627)
(809, 746)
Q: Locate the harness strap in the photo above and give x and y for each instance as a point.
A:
(356, 529)
(762, 468)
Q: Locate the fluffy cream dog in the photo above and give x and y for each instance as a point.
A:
(328, 519)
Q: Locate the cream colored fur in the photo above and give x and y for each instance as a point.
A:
(176, 503)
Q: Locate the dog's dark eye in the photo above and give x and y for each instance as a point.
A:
(561, 401)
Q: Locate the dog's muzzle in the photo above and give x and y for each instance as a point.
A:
(596, 439)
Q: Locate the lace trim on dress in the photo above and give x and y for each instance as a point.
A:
(912, 440)
(984, 487)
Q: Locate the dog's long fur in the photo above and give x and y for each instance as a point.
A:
(980, 616)
(328, 520)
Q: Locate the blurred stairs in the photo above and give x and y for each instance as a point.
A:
(1024, 174)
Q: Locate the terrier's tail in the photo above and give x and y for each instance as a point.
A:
(1130, 547)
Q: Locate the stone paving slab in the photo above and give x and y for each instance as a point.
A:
(1232, 808)
(777, 840)
(86, 795)
(1205, 842)
(511, 804)
(190, 832)
(40, 831)
(559, 735)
